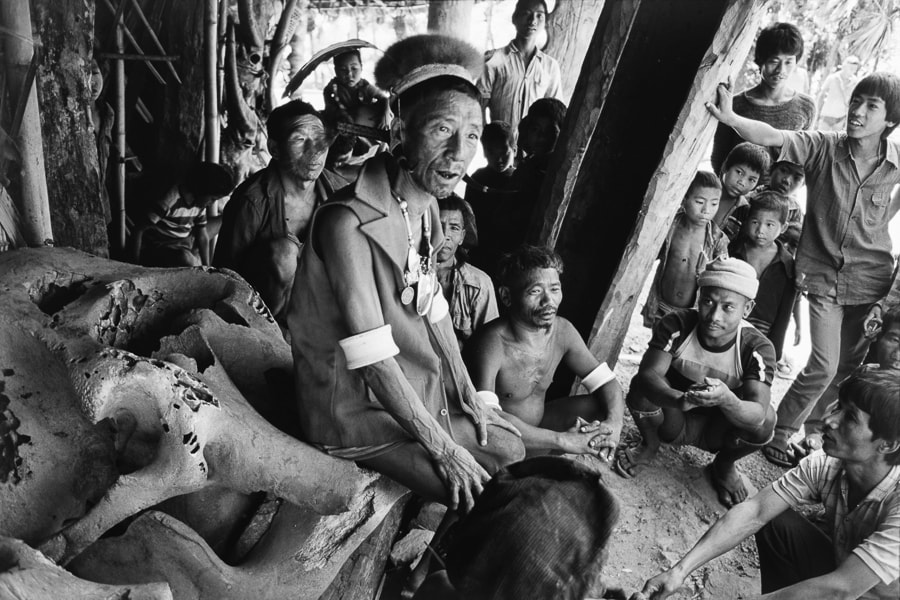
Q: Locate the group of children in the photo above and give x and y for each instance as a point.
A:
(727, 215)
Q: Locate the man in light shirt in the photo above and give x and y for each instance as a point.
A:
(518, 74)
(856, 478)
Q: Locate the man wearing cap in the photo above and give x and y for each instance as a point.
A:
(705, 380)
(265, 222)
(379, 377)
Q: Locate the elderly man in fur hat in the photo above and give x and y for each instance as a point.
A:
(379, 377)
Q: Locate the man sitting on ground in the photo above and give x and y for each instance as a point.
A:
(857, 478)
(265, 222)
(705, 381)
(512, 360)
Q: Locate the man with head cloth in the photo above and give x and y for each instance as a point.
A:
(378, 373)
(266, 221)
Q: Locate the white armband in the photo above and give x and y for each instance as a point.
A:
(439, 307)
(369, 347)
(489, 398)
(597, 378)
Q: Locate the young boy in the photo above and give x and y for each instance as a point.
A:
(844, 258)
(489, 192)
(705, 381)
(693, 241)
(759, 246)
(512, 360)
(173, 231)
(348, 92)
(786, 178)
(856, 479)
(741, 171)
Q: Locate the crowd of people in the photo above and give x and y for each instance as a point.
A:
(425, 333)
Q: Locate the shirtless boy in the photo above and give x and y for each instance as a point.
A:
(705, 381)
(512, 361)
(693, 241)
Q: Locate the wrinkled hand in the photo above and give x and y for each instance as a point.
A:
(662, 586)
(712, 392)
(872, 323)
(462, 476)
(721, 108)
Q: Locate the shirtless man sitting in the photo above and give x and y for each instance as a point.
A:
(705, 381)
(512, 361)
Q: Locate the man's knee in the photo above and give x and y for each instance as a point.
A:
(763, 432)
(637, 400)
(504, 448)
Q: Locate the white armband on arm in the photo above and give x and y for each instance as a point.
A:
(369, 347)
(439, 308)
(597, 378)
(489, 398)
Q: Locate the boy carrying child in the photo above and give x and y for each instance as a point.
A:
(758, 244)
(693, 241)
(513, 359)
(844, 257)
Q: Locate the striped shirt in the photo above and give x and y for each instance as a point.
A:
(749, 357)
(173, 218)
(845, 249)
(871, 531)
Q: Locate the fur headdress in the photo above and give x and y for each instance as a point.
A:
(422, 57)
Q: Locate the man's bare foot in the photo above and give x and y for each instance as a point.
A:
(727, 482)
(631, 460)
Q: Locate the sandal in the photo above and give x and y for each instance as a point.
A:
(783, 457)
(628, 463)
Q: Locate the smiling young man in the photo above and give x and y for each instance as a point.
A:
(857, 479)
(705, 381)
(773, 100)
(513, 359)
(518, 74)
(844, 260)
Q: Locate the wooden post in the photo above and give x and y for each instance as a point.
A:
(629, 149)
(33, 202)
(569, 30)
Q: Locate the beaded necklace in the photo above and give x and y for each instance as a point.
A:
(419, 270)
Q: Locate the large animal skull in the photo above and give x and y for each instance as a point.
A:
(121, 387)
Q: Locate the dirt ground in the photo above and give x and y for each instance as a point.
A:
(671, 503)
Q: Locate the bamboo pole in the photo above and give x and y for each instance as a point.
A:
(211, 94)
(121, 143)
(33, 203)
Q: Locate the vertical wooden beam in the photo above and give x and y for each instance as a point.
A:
(570, 27)
(33, 201)
(629, 150)
(451, 17)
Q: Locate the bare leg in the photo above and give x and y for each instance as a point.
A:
(732, 445)
(654, 424)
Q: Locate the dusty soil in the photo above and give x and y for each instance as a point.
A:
(671, 503)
